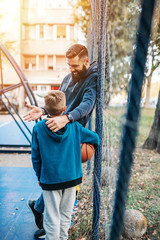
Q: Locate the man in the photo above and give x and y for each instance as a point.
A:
(79, 87)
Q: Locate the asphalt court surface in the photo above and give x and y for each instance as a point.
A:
(11, 135)
(17, 185)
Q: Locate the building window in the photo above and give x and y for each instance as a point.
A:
(71, 32)
(29, 62)
(41, 63)
(61, 31)
(50, 32)
(43, 88)
(34, 87)
(41, 32)
(61, 63)
(29, 32)
(50, 62)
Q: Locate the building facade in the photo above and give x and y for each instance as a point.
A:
(48, 30)
(40, 32)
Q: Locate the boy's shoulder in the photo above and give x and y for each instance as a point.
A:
(74, 126)
(77, 124)
(39, 124)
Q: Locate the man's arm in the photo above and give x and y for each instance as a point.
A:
(88, 101)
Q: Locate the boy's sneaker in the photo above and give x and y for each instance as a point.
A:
(40, 233)
(38, 216)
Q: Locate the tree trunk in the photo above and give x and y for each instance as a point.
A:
(107, 81)
(147, 102)
(153, 140)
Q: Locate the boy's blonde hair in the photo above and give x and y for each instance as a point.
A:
(55, 101)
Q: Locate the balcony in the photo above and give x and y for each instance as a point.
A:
(48, 16)
(46, 47)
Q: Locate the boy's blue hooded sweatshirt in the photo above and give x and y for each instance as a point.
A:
(56, 156)
(81, 96)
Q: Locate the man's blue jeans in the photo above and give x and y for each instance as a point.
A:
(39, 204)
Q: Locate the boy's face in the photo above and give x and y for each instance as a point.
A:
(78, 67)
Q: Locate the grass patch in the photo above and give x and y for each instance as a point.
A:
(144, 190)
(145, 123)
(144, 194)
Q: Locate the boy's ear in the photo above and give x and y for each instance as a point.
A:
(64, 108)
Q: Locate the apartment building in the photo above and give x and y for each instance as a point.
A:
(40, 32)
(48, 29)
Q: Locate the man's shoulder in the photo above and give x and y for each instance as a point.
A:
(65, 82)
(91, 79)
(67, 77)
(92, 73)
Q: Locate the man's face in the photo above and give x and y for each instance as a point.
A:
(78, 67)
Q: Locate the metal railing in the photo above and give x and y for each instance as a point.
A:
(3, 90)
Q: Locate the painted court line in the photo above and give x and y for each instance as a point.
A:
(3, 124)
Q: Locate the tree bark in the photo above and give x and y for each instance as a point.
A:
(107, 81)
(153, 140)
(147, 102)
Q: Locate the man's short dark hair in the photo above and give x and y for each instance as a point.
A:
(77, 50)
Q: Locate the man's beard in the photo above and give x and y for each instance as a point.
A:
(79, 74)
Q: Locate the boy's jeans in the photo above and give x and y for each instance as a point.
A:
(39, 204)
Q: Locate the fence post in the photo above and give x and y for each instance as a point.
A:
(99, 119)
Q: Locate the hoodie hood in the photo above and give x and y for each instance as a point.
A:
(58, 136)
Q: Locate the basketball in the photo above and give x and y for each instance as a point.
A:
(87, 151)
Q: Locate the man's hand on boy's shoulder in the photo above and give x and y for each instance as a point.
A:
(56, 123)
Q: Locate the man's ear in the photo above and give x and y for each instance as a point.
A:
(64, 108)
(86, 62)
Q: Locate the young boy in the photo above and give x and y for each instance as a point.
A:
(56, 158)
